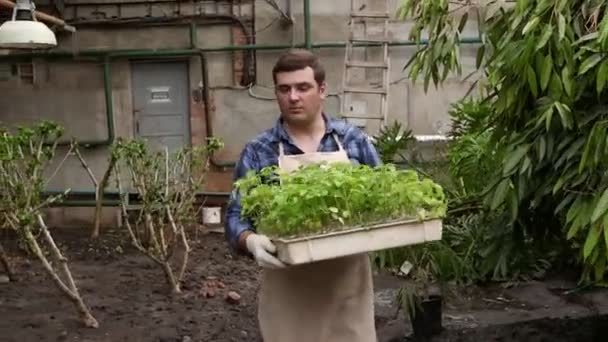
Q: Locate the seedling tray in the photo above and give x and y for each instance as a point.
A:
(357, 240)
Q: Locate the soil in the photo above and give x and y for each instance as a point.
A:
(128, 295)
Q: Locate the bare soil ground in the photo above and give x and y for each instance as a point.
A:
(128, 295)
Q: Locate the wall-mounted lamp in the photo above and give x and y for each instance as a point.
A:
(23, 31)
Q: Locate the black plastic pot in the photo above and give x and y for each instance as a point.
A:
(426, 320)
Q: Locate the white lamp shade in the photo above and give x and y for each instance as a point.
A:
(25, 34)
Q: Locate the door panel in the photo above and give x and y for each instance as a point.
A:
(160, 103)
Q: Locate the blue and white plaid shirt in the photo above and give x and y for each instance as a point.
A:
(263, 151)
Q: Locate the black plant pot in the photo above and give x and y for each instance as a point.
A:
(426, 320)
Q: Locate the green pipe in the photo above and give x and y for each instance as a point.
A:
(85, 203)
(307, 26)
(111, 54)
(107, 81)
(193, 35)
(106, 202)
(107, 87)
(108, 55)
(52, 192)
(227, 48)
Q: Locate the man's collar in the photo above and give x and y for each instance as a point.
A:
(279, 132)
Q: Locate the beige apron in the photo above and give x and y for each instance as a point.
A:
(324, 301)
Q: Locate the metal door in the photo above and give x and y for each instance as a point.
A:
(160, 104)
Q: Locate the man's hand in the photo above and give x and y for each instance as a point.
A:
(262, 248)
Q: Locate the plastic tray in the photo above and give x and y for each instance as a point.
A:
(357, 240)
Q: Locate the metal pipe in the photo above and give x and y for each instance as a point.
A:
(108, 55)
(135, 53)
(107, 87)
(87, 192)
(206, 102)
(86, 198)
(193, 35)
(307, 26)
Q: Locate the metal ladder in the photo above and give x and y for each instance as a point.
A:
(361, 117)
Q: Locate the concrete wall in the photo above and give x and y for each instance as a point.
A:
(71, 92)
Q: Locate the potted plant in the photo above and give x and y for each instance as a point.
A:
(421, 297)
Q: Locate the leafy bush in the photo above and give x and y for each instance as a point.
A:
(25, 158)
(478, 245)
(472, 154)
(167, 184)
(391, 141)
(546, 80)
(322, 197)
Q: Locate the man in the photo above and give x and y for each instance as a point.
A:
(323, 301)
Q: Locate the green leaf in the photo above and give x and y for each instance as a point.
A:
(333, 210)
(500, 193)
(589, 63)
(542, 6)
(601, 207)
(530, 25)
(587, 37)
(561, 27)
(602, 76)
(569, 198)
(558, 185)
(542, 148)
(463, 21)
(591, 141)
(544, 38)
(605, 229)
(514, 205)
(545, 74)
(573, 229)
(567, 80)
(600, 151)
(574, 210)
(564, 113)
(592, 239)
(514, 158)
(600, 265)
(532, 81)
(480, 53)
(516, 22)
(548, 115)
(555, 86)
(527, 163)
(522, 5)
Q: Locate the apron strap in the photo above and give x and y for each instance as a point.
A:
(340, 148)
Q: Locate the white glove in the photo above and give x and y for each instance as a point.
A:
(261, 247)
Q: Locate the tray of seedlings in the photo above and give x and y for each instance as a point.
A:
(326, 211)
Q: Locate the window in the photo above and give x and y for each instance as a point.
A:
(7, 71)
(22, 72)
(26, 72)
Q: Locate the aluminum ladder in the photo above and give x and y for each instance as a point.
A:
(358, 97)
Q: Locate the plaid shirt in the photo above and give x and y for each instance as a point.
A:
(263, 151)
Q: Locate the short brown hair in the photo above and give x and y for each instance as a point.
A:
(298, 59)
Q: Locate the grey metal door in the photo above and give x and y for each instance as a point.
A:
(160, 104)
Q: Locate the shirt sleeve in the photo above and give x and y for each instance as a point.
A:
(235, 224)
(368, 152)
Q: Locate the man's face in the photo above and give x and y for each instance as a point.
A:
(299, 96)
